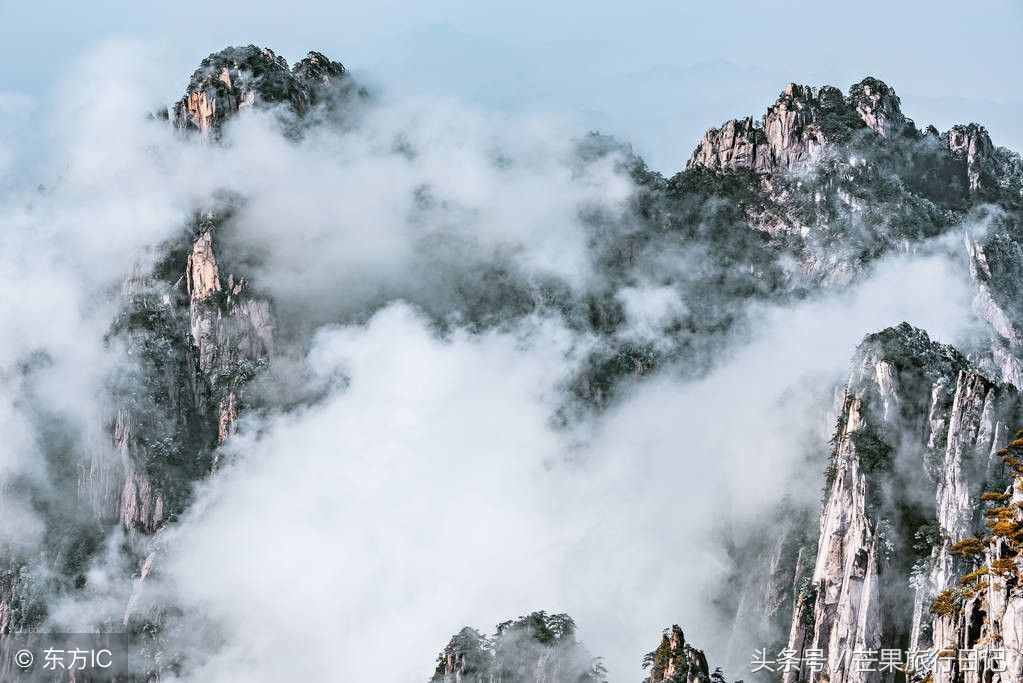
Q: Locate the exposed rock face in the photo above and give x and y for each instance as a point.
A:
(806, 124)
(196, 334)
(799, 127)
(996, 265)
(735, 145)
(915, 413)
(232, 332)
(794, 124)
(240, 77)
(972, 144)
(675, 661)
(878, 106)
(977, 617)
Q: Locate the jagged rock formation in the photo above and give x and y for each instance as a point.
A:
(914, 446)
(537, 648)
(240, 77)
(736, 144)
(835, 182)
(799, 126)
(806, 125)
(676, 661)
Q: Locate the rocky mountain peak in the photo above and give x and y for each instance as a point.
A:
(802, 124)
(793, 130)
(318, 68)
(909, 348)
(736, 144)
(878, 106)
(675, 661)
(240, 77)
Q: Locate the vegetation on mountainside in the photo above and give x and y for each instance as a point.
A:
(537, 644)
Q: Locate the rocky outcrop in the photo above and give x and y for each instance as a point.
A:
(920, 427)
(800, 126)
(916, 416)
(239, 77)
(794, 126)
(317, 70)
(232, 331)
(735, 145)
(467, 658)
(879, 107)
(844, 592)
(996, 266)
(805, 124)
(537, 648)
(676, 661)
(972, 144)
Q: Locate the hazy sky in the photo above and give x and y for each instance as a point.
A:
(656, 72)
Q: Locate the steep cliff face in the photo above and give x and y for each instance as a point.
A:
(231, 330)
(913, 448)
(736, 144)
(976, 618)
(973, 145)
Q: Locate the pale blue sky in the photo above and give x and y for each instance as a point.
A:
(654, 72)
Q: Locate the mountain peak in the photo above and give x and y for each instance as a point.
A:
(801, 124)
(676, 660)
(238, 77)
(878, 106)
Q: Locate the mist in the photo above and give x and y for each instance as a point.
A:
(432, 490)
(432, 481)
